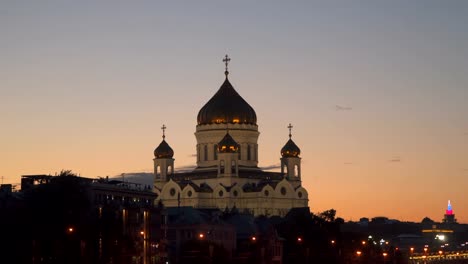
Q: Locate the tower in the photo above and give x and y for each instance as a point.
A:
(449, 217)
(290, 160)
(226, 110)
(163, 162)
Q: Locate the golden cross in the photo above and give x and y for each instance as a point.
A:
(290, 127)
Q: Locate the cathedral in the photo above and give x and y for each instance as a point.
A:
(227, 175)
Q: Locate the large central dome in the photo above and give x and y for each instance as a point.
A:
(226, 106)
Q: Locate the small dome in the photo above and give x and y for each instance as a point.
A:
(226, 106)
(228, 145)
(290, 150)
(163, 151)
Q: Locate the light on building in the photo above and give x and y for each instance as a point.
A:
(201, 235)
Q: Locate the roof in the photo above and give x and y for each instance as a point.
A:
(290, 149)
(163, 151)
(226, 106)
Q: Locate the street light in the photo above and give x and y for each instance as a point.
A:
(358, 253)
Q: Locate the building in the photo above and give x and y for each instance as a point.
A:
(449, 217)
(94, 220)
(227, 173)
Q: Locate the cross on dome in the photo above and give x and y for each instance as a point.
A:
(290, 127)
(226, 61)
(164, 131)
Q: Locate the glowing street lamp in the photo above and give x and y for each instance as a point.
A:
(254, 238)
(201, 235)
(358, 253)
(299, 239)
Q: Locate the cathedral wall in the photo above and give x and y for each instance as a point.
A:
(208, 137)
(267, 201)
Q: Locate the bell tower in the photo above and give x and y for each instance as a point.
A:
(163, 162)
(290, 160)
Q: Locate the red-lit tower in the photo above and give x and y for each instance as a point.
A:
(449, 216)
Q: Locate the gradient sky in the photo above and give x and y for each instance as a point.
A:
(377, 92)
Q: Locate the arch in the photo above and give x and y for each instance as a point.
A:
(296, 170)
(221, 166)
(233, 167)
(284, 190)
(249, 155)
(236, 192)
(267, 192)
(166, 191)
(219, 196)
(215, 152)
(205, 152)
(304, 194)
(157, 171)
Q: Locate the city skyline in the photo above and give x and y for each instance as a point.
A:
(376, 93)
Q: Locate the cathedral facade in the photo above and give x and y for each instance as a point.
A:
(227, 175)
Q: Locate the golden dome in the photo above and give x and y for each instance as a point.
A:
(228, 144)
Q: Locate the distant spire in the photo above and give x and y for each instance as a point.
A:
(226, 61)
(290, 127)
(449, 210)
(164, 131)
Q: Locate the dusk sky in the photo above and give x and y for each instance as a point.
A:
(377, 92)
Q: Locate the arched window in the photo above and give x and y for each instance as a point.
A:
(233, 167)
(296, 170)
(239, 149)
(158, 172)
(221, 165)
(205, 152)
(248, 152)
(215, 151)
